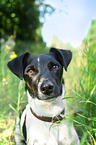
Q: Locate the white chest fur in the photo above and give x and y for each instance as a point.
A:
(44, 133)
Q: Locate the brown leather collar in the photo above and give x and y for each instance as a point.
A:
(49, 119)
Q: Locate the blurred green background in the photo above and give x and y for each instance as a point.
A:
(20, 31)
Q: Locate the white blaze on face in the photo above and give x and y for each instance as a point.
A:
(38, 59)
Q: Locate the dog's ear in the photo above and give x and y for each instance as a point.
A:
(63, 56)
(17, 65)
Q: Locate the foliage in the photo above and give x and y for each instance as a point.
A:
(83, 87)
(80, 98)
(88, 82)
(59, 44)
(89, 51)
(35, 47)
(7, 81)
(10, 99)
(21, 18)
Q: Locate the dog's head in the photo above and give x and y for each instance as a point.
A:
(42, 73)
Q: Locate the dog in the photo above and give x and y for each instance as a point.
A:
(44, 121)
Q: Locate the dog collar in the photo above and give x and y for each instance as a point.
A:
(49, 119)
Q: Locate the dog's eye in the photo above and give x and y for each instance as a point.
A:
(52, 66)
(30, 71)
(55, 67)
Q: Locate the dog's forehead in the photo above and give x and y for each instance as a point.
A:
(43, 58)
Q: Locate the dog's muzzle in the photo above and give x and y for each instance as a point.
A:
(48, 90)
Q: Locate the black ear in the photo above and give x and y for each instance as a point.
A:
(17, 65)
(63, 56)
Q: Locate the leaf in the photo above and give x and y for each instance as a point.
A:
(12, 108)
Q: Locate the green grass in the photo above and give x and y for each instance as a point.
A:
(12, 94)
(80, 84)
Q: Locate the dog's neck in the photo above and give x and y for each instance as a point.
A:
(48, 108)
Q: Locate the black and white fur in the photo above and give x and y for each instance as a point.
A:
(45, 90)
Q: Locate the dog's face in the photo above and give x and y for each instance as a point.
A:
(43, 76)
(42, 73)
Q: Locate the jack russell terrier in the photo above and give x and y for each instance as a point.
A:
(44, 121)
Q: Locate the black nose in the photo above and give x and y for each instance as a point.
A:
(47, 88)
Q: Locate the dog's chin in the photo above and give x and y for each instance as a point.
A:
(48, 97)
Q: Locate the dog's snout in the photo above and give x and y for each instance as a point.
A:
(47, 88)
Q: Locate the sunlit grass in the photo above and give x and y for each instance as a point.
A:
(81, 93)
(11, 94)
(6, 129)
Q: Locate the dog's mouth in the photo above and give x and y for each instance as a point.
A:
(49, 98)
